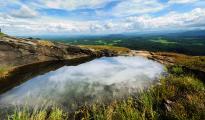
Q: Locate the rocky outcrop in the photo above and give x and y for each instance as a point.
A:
(191, 64)
(161, 58)
(18, 51)
(27, 58)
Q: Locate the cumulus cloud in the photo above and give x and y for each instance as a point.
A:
(182, 1)
(24, 12)
(75, 4)
(42, 25)
(130, 7)
(123, 16)
(101, 78)
(173, 20)
(109, 25)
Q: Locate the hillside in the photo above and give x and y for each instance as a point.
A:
(179, 95)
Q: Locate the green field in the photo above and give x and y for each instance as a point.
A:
(180, 44)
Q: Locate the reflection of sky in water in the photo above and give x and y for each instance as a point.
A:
(94, 80)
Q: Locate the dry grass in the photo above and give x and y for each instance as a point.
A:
(119, 50)
(4, 70)
(192, 62)
(45, 43)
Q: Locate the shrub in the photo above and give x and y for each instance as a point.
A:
(177, 70)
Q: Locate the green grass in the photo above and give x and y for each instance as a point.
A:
(178, 44)
(163, 41)
(1, 34)
(198, 44)
(177, 70)
(187, 96)
(42, 114)
(176, 97)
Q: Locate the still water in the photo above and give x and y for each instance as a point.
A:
(99, 80)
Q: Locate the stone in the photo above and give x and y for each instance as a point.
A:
(20, 51)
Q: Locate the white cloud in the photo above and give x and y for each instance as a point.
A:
(182, 1)
(74, 4)
(43, 25)
(130, 7)
(132, 15)
(172, 20)
(96, 28)
(109, 25)
(24, 12)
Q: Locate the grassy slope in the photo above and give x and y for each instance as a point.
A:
(2, 34)
(192, 62)
(119, 50)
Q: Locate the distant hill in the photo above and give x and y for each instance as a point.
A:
(195, 33)
(189, 33)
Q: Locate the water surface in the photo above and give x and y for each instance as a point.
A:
(98, 80)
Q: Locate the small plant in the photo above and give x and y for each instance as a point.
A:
(57, 114)
(177, 70)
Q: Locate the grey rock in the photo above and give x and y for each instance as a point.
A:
(19, 51)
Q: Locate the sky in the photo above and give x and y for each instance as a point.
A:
(38, 17)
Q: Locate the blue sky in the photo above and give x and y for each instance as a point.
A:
(21, 17)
